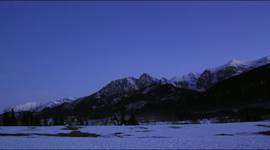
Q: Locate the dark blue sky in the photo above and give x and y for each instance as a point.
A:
(50, 50)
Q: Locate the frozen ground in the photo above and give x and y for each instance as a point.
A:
(189, 136)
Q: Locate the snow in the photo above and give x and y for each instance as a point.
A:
(55, 103)
(190, 78)
(231, 63)
(245, 64)
(259, 62)
(146, 79)
(132, 82)
(34, 106)
(29, 106)
(42, 129)
(165, 136)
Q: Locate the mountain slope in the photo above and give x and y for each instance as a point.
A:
(210, 77)
(237, 96)
(29, 106)
(37, 107)
(250, 86)
(194, 81)
(128, 84)
(245, 97)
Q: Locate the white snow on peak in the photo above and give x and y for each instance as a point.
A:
(259, 62)
(131, 81)
(231, 63)
(127, 84)
(35, 106)
(29, 106)
(187, 77)
(55, 103)
(119, 86)
(145, 77)
(190, 80)
(234, 62)
(247, 65)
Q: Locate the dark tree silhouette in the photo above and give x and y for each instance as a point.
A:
(132, 120)
(6, 119)
(13, 120)
(9, 118)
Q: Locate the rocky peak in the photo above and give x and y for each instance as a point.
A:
(234, 67)
(234, 62)
(146, 80)
(187, 81)
(145, 76)
(119, 86)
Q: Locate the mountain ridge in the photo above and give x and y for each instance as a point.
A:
(194, 81)
(37, 107)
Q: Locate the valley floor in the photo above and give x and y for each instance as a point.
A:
(248, 135)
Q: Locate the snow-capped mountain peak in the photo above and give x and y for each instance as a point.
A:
(146, 80)
(186, 81)
(210, 77)
(244, 64)
(145, 76)
(234, 67)
(128, 84)
(187, 77)
(29, 106)
(119, 86)
(55, 103)
(36, 107)
(234, 62)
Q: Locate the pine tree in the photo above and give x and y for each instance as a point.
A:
(123, 116)
(123, 121)
(116, 120)
(6, 119)
(36, 121)
(132, 120)
(13, 120)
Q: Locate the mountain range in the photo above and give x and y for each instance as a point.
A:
(232, 90)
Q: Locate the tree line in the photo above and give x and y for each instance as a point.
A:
(28, 118)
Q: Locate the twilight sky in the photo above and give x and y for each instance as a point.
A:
(50, 50)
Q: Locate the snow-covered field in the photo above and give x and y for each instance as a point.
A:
(168, 136)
